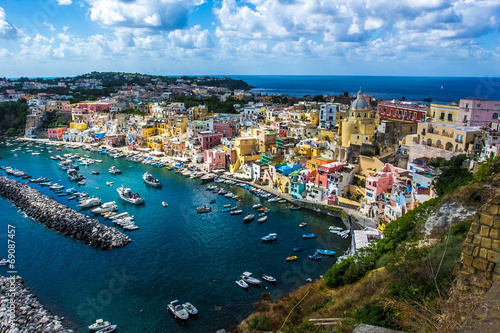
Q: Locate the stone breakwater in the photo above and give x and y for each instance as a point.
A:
(61, 218)
(20, 310)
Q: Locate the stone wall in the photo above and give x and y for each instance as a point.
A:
(479, 264)
(418, 150)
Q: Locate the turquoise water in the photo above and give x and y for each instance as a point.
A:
(176, 253)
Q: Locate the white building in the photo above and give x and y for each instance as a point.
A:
(327, 115)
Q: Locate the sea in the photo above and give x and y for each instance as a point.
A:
(415, 88)
(176, 254)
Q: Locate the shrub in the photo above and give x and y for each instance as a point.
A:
(260, 323)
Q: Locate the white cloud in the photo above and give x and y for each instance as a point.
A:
(193, 38)
(153, 14)
(64, 2)
(7, 30)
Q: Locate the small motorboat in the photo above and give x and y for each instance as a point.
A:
(297, 249)
(190, 308)
(164, 204)
(95, 172)
(212, 201)
(262, 209)
(325, 252)
(82, 182)
(308, 236)
(108, 329)
(302, 225)
(110, 183)
(234, 208)
(282, 201)
(257, 206)
(203, 209)
(242, 284)
(275, 199)
(3, 262)
(268, 278)
(225, 209)
(316, 256)
(178, 310)
(293, 207)
(267, 211)
(228, 205)
(291, 258)
(99, 324)
(271, 237)
(249, 218)
(248, 278)
(262, 219)
(236, 212)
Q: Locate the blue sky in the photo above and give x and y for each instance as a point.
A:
(257, 37)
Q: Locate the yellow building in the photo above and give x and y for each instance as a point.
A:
(449, 137)
(359, 126)
(442, 113)
(78, 126)
(246, 152)
(200, 112)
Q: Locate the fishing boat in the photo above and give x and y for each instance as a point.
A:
(269, 238)
(293, 207)
(242, 284)
(316, 256)
(268, 278)
(291, 258)
(228, 205)
(203, 209)
(249, 218)
(227, 209)
(234, 208)
(262, 209)
(308, 236)
(190, 308)
(248, 278)
(113, 170)
(108, 329)
(262, 219)
(325, 252)
(303, 224)
(56, 187)
(178, 310)
(98, 325)
(149, 179)
(127, 195)
(164, 204)
(73, 175)
(236, 212)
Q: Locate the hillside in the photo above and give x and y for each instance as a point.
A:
(13, 117)
(411, 280)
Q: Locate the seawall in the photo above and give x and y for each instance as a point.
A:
(60, 218)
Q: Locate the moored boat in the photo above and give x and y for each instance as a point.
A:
(303, 224)
(249, 218)
(308, 236)
(113, 170)
(316, 256)
(248, 278)
(149, 179)
(108, 329)
(236, 212)
(325, 252)
(164, 204)
(190, 308)
(293, 207)
(242, 284)
(262, 219)
(291, 258)
(99, 324)
(268, 278)
(257, 206)
(178, 310)
(271, 237)
(127, 195)
(203, 209)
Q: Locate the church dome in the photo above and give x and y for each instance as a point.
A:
(359, 103)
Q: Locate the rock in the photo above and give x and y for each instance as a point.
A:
(446, 214)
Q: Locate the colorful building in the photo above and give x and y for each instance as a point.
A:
(402, 111)
(209, 140)
(56, 133)
(214, 160)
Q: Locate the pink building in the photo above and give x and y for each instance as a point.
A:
(114, 140)
(214, 160)
(406, 111)
(326, 169)
(209, 139)
(478, 112)
(382, 181)
(95, 107)
(228, 130)
(56, 133)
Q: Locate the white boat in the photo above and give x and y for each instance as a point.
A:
(268, 278)
(108, 329)
(271, 237)
(81, 182)
(249, 218)
(275, 199)
(257, 206)
(118, 216)
(109, 183)
(190, 308)
(242, 284)
(104, 209)
(98, 325)
(3, 262)
(92, 202)
(114, 170)
(127, 195)
(178, 310)
(56, 187)
(248, 278)
(149, 179)
(164, 204)
(207, 178)
(303, 224)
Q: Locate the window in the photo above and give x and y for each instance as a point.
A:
(450, 116)
(414, 115)
(386, 135)
(495, 116)
(359, 114)
(405, 113)
(465, 118)
(365, 114)
(385, 110)
(441, 116)
(423, 117)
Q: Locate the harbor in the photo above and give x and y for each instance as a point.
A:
(172, 239)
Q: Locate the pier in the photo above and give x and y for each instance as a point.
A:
(61, 218)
